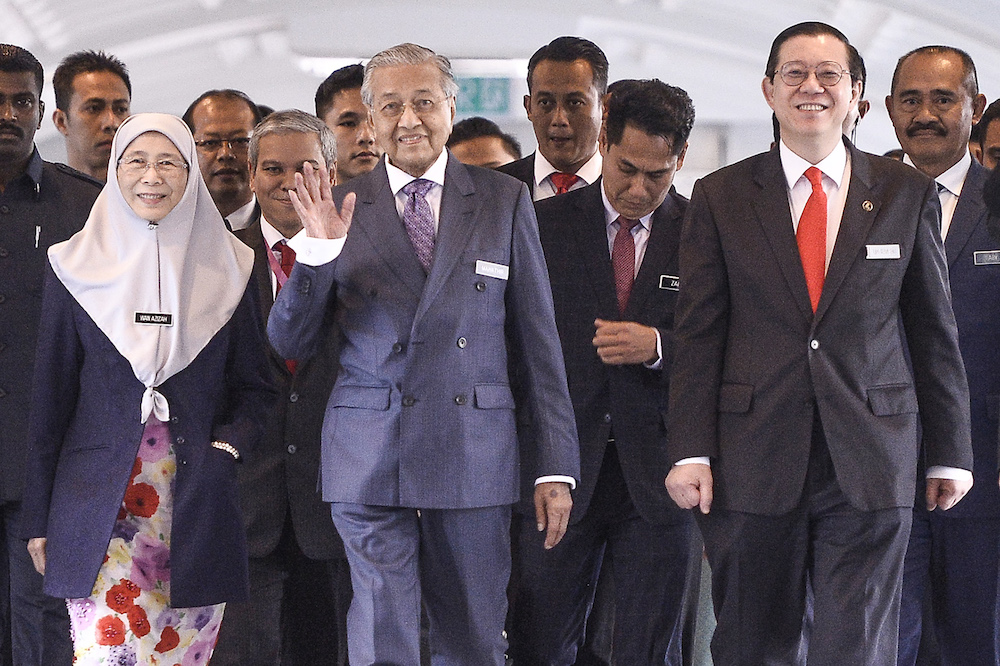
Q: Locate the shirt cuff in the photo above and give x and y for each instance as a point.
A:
(658, 363)
(953, 473)
(696, 460)
(315, 251)
(555, 478)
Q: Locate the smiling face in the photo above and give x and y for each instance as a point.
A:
(280, 156)
(932, 110)
(565, 109)
(357, 152)
(413, 140)
(810, 114)
(152, 193)
(98, 104)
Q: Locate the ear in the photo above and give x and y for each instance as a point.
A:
(59, 120)
(864, 106)
(602, 139)
(978, 107)
(41, 114)
(888, 105)
(253, 180)
(527, 105)
(767, 87)
(680, 158)
(977, 151)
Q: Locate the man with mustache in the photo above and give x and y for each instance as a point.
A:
(339, 105)
(953, 556)
(221, 122)
(41, 203)
(93, 97)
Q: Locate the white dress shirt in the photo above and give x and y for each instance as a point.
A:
(544, 188)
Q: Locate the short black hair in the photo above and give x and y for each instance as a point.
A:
(991, 113)
(226, 93)
(569, 49)
(652, 106)
(477, 126)
(85, 62)
(345, 78)
(14, 59)
(855, 65)
(970, 79)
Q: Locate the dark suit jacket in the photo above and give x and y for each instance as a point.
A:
(752, 363)
(282, 475)
(422, 413)
(522, 169)
(632, 398)
(974, 268)
(85, 434)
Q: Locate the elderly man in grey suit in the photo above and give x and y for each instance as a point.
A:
(439, 287)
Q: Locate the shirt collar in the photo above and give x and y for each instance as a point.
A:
(34, 168)
(271, 235)
(954, 178)
(398, 178)
(589, 172)
(832, 166)
(611, 215)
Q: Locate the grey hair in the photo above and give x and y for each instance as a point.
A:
(408, 54)
(293, 121)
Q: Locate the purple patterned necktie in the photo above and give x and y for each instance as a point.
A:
(419, 220)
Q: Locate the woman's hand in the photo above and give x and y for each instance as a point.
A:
(36, 548)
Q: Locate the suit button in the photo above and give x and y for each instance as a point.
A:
(409, 401)
(4, 252)
(480, 286)
(180, 440)
(814, 344)
(174, 419)
(607, 418)
(3, 394)
(2, 298)
(460, 399)
(291, 448)
(462, 342)
(397, 348)
(294, 397)
(4, 209)
(373, 292)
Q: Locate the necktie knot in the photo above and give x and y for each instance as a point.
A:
(626, 224)
(563, 181)
(287, 256)
(419, 187)
(815, 178)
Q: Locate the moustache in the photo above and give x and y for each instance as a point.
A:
(12, 128)
(937, 128)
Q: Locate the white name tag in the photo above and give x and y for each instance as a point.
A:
(670, 282)
(890, 251)
(154, 318)
(987, 258)
(489, 269)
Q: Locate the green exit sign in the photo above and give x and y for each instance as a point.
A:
(483, 96)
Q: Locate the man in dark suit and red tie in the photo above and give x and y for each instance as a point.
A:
(611, 250)
(809, 276)
(438, 287)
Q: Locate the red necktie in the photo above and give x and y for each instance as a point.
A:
(811, 236)
(623, 261)
(287, 263)
(563, 181)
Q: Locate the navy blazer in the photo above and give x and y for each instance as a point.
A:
(753, 364)
(85, 433)
(423, 412)
(631, 399)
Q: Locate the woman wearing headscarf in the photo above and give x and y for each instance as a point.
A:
(150, 385)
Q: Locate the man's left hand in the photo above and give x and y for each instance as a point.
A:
(945, 493)
(625, 342)
(552, 506)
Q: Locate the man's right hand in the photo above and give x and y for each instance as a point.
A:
(313, 201)
(36, 548)
(690, 486)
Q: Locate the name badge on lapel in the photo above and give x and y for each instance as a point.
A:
(987, 258)
(154, 318)
(890, 251)
(670, 282)
(489, 269)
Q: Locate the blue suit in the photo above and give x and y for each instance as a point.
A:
(956, 552)
(422, 415)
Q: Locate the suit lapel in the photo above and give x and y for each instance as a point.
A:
(660, 251)
(968, 213)
(588, 231)
(378, 218)
(860, 209)
(262, 277)
(775, 216)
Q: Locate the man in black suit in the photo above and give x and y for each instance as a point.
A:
(300, 586)
(794, 411)
(611, 251)
(41, 203)
(952, 558)
(567, 80)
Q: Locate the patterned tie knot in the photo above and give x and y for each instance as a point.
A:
(418, 186)
(626, 224)
(815, 177)
(563, 181)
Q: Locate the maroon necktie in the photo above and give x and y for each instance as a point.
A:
(623, 261)
(287, 263)
(563, 181)
(811, 236)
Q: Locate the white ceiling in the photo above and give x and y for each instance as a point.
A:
(278, 53)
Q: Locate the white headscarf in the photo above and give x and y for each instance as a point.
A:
(187, 265)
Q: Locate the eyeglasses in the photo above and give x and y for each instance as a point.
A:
(828, 73)
(213, 145)
(421, 107)
(139, 165)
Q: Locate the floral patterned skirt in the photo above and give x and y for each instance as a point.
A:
(127, 620)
